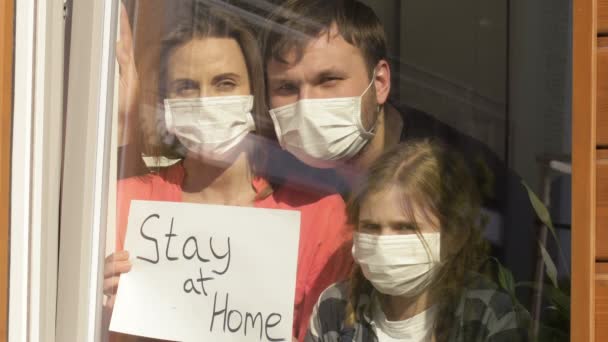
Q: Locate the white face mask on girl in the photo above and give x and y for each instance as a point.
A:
(210, 126)
(398, 265)
(322, 132)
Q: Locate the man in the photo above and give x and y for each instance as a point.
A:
(323, 63)
(329, 80)
(340, 52)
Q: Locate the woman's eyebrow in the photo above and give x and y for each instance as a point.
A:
(184, 80)
(225, 75)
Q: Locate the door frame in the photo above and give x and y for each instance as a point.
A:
(36, 156)
(7, 17)
(86, 169)
(584, 94)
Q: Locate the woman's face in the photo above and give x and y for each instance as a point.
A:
(207, 67)
(386, 213)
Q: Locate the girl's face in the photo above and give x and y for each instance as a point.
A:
(207, 67)
(386, 213)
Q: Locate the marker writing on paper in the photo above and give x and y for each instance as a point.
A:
(236, 322)
(214, 252)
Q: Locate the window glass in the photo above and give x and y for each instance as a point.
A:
(285, 169)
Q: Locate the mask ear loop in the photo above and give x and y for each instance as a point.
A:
(370, 83)
(168, 113)
(371, 132)
(249, 108)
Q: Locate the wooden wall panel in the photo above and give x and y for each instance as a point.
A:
(601, 302)
(584, 89)
(602, 91)
(602, 16)
(6, 97)
(601, 193)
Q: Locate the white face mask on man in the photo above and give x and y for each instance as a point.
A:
(322, 132)
(398, 265)
(210, 126)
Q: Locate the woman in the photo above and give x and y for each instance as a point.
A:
(417, 246)
(211, 92)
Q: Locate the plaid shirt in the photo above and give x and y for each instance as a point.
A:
(484, 313)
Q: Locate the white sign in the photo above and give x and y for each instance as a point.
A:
(208, 273)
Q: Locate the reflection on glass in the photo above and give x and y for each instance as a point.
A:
(303, 105)
(418, 246)
(210, 114)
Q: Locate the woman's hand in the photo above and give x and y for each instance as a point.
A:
(128, 88)
(115, 265)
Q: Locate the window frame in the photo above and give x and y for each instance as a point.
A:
(86, 170)
(35, 169)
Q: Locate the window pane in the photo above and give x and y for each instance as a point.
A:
(436, 129)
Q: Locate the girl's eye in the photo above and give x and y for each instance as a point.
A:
(367, 226)
(409, 227)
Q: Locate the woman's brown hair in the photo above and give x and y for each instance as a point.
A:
(207, 21)
(435, 179)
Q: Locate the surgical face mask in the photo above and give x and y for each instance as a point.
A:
(210, 126)
(398, 265)
(322, 132)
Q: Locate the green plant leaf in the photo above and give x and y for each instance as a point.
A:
(559, 299)
(549, 265)
(553, 334)
(556, 296)
(539, 207)
(505, 278)
(543, 214)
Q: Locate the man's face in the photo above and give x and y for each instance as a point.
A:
(329, 67)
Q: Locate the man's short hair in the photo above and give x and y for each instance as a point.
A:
(295, 22)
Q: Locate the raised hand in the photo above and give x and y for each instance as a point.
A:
(115, 265)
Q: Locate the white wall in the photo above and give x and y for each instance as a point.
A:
(540, 83)
(449, 59)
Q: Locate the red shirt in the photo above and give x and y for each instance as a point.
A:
(324, 255)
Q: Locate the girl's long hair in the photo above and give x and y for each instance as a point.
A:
(437, 181)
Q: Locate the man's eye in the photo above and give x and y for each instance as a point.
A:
(330, 80)
(286, 88)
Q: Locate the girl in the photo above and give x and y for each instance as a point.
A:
(417, 246)
(211, 92)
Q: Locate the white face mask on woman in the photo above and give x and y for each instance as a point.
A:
(397, 265)
(210, 126)
(322, 132)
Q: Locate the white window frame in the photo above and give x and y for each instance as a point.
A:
(86, 175)
(35, 169)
